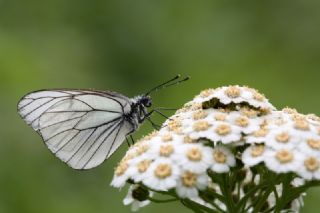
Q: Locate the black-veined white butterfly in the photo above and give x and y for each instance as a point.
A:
(84, 127)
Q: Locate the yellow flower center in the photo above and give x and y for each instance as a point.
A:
(201, 126)
(261, 133)
(290, 110)
(142, 149)
(199, 115)
(167, 137)
(189, 179)
(258, 96)
(279, 121)
(143, 165)
(223, 129)
(163, 170)
(257, 151)
(195, 106)
(301, 124)
(188, 139)
(174, 124)
(220, 117)
(314, 144)
(312, 164)
(249, 112)
(166, 150)
(194, 154)
(242, 121)
(284, 156)
(219, 156)
(283, 137)
(121, 168)
(206, 93)
(233, 92)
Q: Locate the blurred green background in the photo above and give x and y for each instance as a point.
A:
(129, 46)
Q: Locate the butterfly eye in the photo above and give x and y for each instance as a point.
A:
(147, 102)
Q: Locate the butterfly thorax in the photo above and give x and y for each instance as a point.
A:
(138, 112)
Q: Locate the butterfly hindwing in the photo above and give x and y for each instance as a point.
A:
(81, 127)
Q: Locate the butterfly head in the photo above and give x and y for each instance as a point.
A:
(145, 101)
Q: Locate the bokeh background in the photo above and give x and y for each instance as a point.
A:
(129, 46)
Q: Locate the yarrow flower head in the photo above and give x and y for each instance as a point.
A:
(227, 150)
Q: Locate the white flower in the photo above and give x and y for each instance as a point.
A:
(198, 129)
(253, 155)
(135, 204)
(247, 125)
(139, 148)
(223, 159)
(122, 173)
(282, 138)
(259, 136)
(189, 183)
(163, 150)
(235, 94)
(161, 175)
(138, 167)
(283, 160)
(208, 134)
(194, 157)
(310, 169)
(119, 181)
(310, 146)
(224, 132)
(231, 94)
(204, 96)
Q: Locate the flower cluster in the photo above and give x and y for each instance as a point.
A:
(227, 149)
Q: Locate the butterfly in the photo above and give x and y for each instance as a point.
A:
(83, 128)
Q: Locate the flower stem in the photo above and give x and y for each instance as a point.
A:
(162, 201)
(226, 191)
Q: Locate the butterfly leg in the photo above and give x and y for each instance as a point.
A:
(154, 125)
(128, 142)
(157, 110)
(160, 113)
(132, 140)
(165, 108)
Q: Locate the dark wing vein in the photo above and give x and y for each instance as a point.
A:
(70, 119)
(83, 102)
(104, 140)
(24, 116)
(115, 137)
(96, 110)
(110, 126)
(85, 141)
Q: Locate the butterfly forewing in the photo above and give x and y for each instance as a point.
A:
(80, 127)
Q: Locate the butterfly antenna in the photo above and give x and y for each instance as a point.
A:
(167, 84)
(177, 82)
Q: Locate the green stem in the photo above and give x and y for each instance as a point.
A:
(198, 207)
(291, 193)
(270, 181)
(262, 200)
(225, 189)
(286, 191)
(249, 194)
(162, 201)
(190, 206)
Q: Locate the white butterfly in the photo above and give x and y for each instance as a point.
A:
(84, 127)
